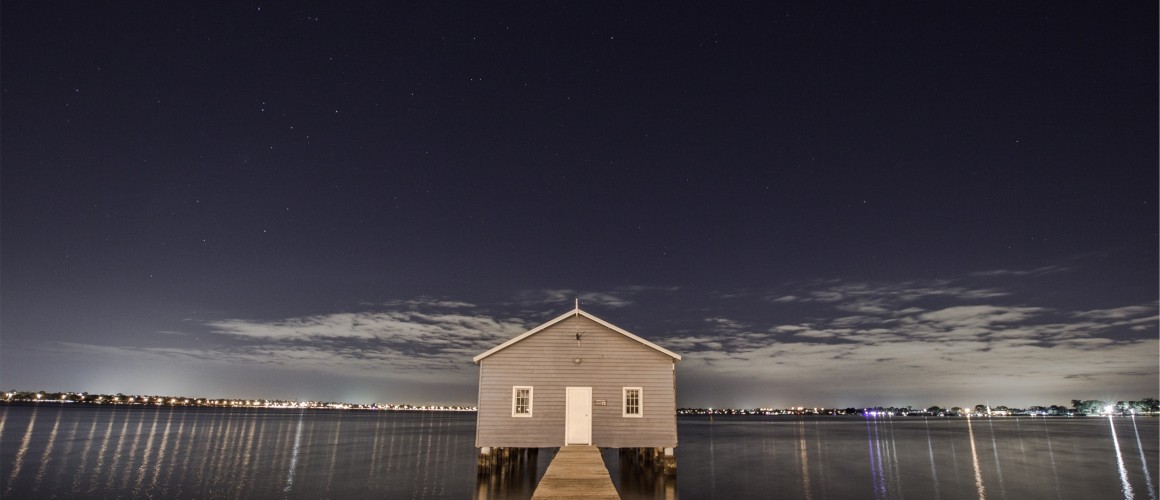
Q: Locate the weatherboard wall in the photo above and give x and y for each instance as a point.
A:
(610, 362)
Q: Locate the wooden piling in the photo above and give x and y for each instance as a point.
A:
(658, 459)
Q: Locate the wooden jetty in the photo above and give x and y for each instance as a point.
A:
(576, 472)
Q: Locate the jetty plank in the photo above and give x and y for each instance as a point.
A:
(576, 472)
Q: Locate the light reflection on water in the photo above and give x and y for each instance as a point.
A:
(98, 452)
(930, 452)
(1144, 461)
(18, 461)
(47, 456)
(90, 452)
(1125, 485)
(995, 451)
(894, 458)
(975, 462)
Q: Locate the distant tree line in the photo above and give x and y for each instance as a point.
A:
(1146, 406)
(18, 397)
(1095, 406)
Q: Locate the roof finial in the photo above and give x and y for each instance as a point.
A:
(577, 304)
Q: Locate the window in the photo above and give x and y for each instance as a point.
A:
(633, 402)
(521, 401)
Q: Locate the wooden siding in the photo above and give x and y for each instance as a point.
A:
(610, 362)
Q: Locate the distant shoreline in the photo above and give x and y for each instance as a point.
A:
(1144, 407)
(719, 413)
(152, 405)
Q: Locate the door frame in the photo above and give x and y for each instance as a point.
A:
(584, 398)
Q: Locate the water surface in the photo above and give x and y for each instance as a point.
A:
(55, 450)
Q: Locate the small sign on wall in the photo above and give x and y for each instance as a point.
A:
(601, 402)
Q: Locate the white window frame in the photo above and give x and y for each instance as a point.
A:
(515, 396)
(639, 402)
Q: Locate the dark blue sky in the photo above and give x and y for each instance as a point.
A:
(816, 205)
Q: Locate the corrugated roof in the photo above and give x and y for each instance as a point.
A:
(569, 314)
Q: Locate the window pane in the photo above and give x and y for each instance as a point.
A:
(632, 401)
(523, 401)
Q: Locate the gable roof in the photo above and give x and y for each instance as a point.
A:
(569, 314)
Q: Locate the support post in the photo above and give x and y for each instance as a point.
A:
(485, 460)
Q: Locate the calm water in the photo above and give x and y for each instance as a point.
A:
(913, 457)
(108, 452)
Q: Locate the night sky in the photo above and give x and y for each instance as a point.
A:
(929, 203)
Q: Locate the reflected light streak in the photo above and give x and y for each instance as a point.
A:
(954, 463)
(76, 487)
(1144, 461)
(975, 462)
(821, 473)
(803, 448)
(47, 456)
(334, 453)
(930, 451)
(712, 460)
(375, 449)
(18, 463)
(247, 456)
(161, 449)
(241, 461)
(284, 439)
(211, 436)
(294, 455)
(998, 466)
(391, 448)
(133, 453)
(66, 455)
(143, 469)
(225, 437)
(100, 466)
(427, 452)
(1022, 450)
(117, 453)
(1051, 455)
(875, 463)
(189, 444)
(1125, 486)
(895, 469)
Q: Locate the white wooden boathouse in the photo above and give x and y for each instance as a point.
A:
(577, 380)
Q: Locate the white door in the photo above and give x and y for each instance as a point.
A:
(578, 415)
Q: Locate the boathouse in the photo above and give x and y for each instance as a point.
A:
(577, 380)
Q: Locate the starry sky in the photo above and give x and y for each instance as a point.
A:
(830, 204)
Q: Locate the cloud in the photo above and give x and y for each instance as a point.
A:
(983, 316)
(613, 299)
(909, 335)
(830, 340)
(725, 325)
(1120, 312)
(432, 344)
(878, 296)
(1022, 272)
(427, 302)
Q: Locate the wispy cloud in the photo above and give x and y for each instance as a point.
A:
(827, 340)
(866, 336)
(619, 297)
(1022, 272)
(424, 302)
(873, 295)
(432, 344)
